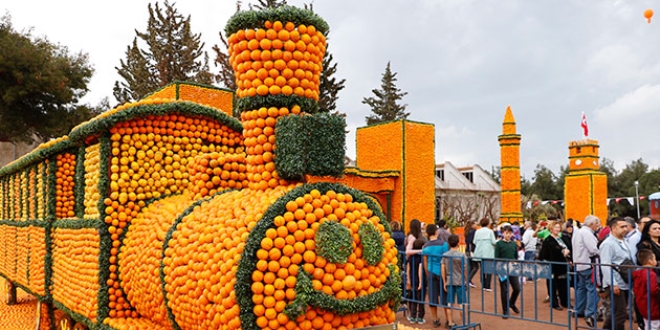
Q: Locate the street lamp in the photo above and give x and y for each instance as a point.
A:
(637, 196)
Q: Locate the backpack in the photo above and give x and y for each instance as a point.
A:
(624, 269)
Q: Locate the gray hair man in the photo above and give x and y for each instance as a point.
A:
(585, 249)
(632, 237)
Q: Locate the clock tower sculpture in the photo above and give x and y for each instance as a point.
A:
(585, 188)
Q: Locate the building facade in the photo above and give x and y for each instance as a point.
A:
(465, 193)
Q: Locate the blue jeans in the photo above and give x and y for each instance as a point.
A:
(530, 256)
(586, 298)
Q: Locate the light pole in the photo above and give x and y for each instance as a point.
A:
(637, 196)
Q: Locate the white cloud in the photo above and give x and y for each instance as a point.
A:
(636, 107)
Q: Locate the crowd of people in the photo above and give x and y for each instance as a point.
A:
(604, 265)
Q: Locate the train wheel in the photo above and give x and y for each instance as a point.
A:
(79, 326)
(63, 321)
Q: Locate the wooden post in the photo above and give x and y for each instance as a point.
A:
(11, 293)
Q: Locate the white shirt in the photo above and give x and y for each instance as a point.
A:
(585, 246)
(633, 239)
(529, 240)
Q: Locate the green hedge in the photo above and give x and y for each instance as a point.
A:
(252, 19)
(310, 144)
(278, 101)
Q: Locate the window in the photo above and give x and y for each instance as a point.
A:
(440, 174)
(468, 175)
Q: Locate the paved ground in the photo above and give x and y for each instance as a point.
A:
(534, 314)
(20, 316)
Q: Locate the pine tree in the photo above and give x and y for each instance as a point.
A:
(385, 106)
(226, 75)
(329, 87)
(172, 53)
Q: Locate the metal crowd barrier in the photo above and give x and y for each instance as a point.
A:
(542, 284)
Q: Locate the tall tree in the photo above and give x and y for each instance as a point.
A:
(545, 184)
(40, 86)
(385, 106)
(172, 53)
(226, 75)
(329, 86)
(607, 167)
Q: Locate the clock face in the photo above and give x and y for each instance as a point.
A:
(578, 162)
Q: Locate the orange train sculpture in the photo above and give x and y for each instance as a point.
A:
(168, 213)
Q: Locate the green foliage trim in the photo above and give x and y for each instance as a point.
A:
(79, 183)
(102, 124)
(334, 242)
(35, 156)
(372, 243)
(52, 188)
(310, 144)
(290, 155)
(307, 296)
(178, 83)
(391, 291)
(278, 101)
(103, 297)
(252, 19)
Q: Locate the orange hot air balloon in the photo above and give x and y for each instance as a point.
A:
(648, 14)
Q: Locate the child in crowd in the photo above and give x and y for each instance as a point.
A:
(647, 292)
(453, 273)
(417, 277)
(507, 249)
(433, 251)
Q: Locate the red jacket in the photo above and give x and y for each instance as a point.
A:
(642, 278)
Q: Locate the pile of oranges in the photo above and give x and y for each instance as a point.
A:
(64, 186)
(277, 59)
(92, 175)
(290, 248)
(140, 256)
(76, 269)
(149, 159)
(22, 250)
(259, 132)
(133, 324)
(202, 257)
(37, 254)
(216, 171)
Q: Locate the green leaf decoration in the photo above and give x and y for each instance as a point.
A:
(334, 242)
(278, 101)
(251, 19)
(372, 243)
(310, 144)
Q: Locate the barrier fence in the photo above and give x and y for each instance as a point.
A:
(548, 279)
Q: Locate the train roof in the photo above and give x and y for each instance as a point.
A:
(181, 98)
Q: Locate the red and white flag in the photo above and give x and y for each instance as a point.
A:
(584, 125)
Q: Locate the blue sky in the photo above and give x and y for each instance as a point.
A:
(461, 62)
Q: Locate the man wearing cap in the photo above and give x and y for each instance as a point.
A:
(585, 247)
